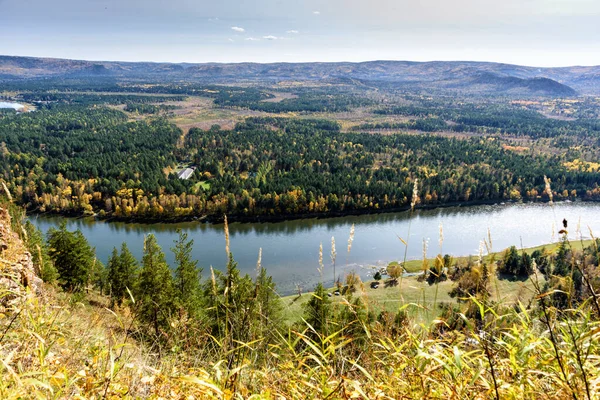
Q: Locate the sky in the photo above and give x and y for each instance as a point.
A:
(528, 32)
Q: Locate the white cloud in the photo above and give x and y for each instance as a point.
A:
(252, 39)
(317, 12)
(230, 40)
(238, 29)
(270, 37)
(293, 32)
(213, 19)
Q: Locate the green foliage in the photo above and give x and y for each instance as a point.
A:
(155, 292)
(76, 159)
(187, 275)
(122, 274)
(482, 118)
(562, 259)
(354, 320)
(141, 108)
(37, 246)
(73, 257)
(516, 265)
(318, 311)
(98, 277)
(268, 322)
(542, 260)
(473, 283)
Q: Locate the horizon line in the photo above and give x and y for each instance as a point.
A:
(301, 62)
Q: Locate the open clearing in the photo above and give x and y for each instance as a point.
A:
(420, 297)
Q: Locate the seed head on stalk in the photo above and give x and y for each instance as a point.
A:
(548, 189)
(226, 228)
(351, 238)
(415, 195)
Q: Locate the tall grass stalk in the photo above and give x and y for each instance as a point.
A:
(413, 203)
(333, 255)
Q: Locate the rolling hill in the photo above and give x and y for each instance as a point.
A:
(483, 77)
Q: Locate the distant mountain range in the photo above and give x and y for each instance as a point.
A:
(478, 77)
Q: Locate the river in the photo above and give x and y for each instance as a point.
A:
(290, 249)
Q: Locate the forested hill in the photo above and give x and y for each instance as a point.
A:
(477, 77)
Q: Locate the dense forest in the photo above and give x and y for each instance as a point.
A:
(113, 149)
(78, 159)
(487, 119)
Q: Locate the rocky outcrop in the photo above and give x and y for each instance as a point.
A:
(18, 278)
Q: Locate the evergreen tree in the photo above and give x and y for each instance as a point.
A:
(318, 310)
(510, 262)
(98, 276)
(229, 302)
(113, 281)
(562, 260)
(122, 273)
(353, 319)
(72, 256)
(38, 248)
(155, 291)
(515, 264)
(541, 260)
(525, 265)
(187, 275)
(267, 308)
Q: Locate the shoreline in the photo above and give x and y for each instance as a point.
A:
(215, 220)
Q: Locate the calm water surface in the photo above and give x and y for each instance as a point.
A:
(290, 249)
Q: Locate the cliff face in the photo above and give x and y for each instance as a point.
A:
(18, 277)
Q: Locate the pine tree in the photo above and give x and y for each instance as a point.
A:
(122, 274)
(114, 282)
(353, 318)
(510, 262)
(221, 296)
(98, 276)
(155, 291)
(562, 261)
(541, 260)
(268, 308)
(318, 310)
(72, 256)
(187, 275)
(39, 253)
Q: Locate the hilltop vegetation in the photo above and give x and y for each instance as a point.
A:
(134, 329)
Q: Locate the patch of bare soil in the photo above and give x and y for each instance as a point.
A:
(279, 96)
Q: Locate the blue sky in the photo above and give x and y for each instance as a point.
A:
(529, 32)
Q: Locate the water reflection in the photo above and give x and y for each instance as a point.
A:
(290, 248)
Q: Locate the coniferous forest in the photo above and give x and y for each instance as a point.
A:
(85, 152)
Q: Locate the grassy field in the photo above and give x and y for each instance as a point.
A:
(203, 184)
(421, 298)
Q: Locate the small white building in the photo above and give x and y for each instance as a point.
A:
(186, 173)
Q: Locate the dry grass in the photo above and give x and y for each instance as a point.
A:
(518, 346)
(420, 296)
(56, 349)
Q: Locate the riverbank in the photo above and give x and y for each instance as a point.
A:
(219, 219)
(423, 299)
(290, 249)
